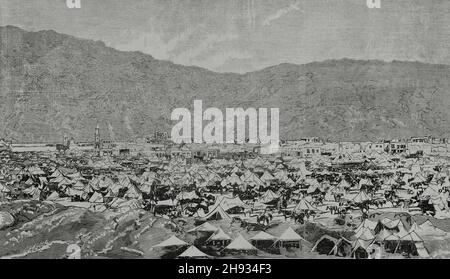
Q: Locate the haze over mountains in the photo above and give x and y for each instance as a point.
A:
(53, 84)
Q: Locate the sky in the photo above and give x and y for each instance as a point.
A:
(247, 35)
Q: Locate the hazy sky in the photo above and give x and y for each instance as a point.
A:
(246, 35)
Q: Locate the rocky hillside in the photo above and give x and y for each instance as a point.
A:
(53, 84)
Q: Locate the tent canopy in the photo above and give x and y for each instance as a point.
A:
(171, 241)
(240, 243)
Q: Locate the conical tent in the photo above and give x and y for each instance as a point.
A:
(227, 202)
(361, 197)
(412, 236)
(205, 227)
(304, 205)
(240, 243)
(263, 236)
(360, 243)
(290, 235)
(383, 235)
(219, 235)
(56, 173)
(268, 196)
(365, 234)
(193, 252)
(427, 228)
(96, 198)
(392, 237)
(217, 213)
(366, 224)
(171, 241)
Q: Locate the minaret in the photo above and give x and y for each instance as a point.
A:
(97, 144)
(65, 140)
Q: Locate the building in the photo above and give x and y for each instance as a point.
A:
(378, 147)
(350, 147)
(330, 148)
(397, 147)
(160, 137)
(179, 152)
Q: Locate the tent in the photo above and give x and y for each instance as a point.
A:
(289, 238)
(325, 245)
(428, 229)
(220, 238)
(360, 248)
(361, 197)
(241, 245)
(365, 234)
(268, 197)
(371, 225)
(193, 253)
(342, 248)
(228, 203)
(343, 184)
(171, 242)
(305, 205)
(263, 236)
(96, 198)
(205, 227)
(413, 244)
(217, 213)
(263, 240)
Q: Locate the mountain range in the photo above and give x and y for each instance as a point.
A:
(53, 84)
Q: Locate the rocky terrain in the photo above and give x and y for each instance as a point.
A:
(53, 84)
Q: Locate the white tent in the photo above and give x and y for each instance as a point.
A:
(240, 243)
(217, 213)
(192, 252)
(268, 197)
(263, 236)
(171, 241)
(290, 235)
(205, 227)
(219, 235)
(428, 229)
(366, 224)
(304, 205)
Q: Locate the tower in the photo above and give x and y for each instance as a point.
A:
(97, 143)
(66, 140)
